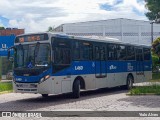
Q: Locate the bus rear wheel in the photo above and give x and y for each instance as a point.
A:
(76, 89)
(44, 95)
(129, 82)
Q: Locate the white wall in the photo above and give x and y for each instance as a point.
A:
(132, 31)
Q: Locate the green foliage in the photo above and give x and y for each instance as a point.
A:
(153, 7)
(6, 65)
(156, 47)
(5, 86)
(143, 90)
(155, 63)
(2, 28)
(155, 77)
(50, 29)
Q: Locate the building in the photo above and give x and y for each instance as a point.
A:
(126, 30)
(7, 37)
(11, 31)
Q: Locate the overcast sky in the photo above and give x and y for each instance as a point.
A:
(38, 15)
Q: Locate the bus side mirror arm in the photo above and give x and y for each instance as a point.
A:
(10, 58)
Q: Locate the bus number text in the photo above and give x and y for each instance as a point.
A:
(78, 67)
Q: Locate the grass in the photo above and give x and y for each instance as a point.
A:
(145, 90)
(5, 87)
(155, 77)
(153, 89)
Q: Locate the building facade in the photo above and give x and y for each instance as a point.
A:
(7, 37)
(11, 31)
(126, 30)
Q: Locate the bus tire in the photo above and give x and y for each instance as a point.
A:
(129, 82)
(76, 89)
(44, 95)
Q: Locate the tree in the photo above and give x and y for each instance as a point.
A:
(156, 53)
(153, 7)
(156, 47)
(2, 28)
(50, 29)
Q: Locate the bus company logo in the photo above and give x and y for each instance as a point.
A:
(78, 67)
(112, 67)
(93, 64)
(130, 67)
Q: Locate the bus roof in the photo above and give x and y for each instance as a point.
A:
(88, 38)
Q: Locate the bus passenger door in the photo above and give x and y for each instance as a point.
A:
(61, 61)
(100, 66)
(139, 65)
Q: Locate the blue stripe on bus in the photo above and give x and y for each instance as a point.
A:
(86, 67)
(90, 67)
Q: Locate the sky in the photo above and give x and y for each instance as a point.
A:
(38, 15)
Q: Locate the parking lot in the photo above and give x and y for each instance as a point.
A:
(113, 99)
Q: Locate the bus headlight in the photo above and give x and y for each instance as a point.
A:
(45, 78)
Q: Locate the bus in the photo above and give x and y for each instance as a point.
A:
(52, 63)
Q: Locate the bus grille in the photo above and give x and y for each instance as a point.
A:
(28, 72)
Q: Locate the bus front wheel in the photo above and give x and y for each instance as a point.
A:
(76, 89)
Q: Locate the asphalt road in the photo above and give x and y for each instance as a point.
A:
(113, 99)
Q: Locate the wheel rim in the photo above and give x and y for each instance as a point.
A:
(130, 83)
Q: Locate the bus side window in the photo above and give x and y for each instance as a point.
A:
(130, 53)
(139, 54)
(147, 53)
(103, 55)
(112, 55)
(86, 50)
(100, 52)
(76, 50)
(61, 54)
(97, 53)
(121, 52)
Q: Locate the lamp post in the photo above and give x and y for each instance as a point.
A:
(157, 20)
(152, 31)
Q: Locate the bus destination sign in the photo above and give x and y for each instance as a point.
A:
(31, 38)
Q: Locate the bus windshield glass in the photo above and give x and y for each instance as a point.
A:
(32, 55)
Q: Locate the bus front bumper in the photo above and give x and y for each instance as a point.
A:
(25, 87)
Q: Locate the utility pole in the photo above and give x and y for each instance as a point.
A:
(152, 31)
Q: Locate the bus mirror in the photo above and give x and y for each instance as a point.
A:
(10, 58)
(8, 54)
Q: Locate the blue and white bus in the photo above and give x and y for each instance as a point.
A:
(48, 63)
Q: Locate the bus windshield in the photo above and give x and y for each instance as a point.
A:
(32, 55)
